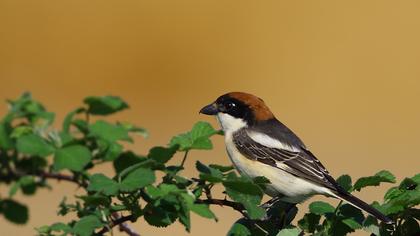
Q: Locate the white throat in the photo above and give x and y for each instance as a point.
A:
(229, 123)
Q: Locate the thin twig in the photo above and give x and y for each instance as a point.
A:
(121, 222)
(184, 159)
(223, 202)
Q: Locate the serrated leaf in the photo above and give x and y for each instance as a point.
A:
(86, 225)
(105, 105)
(383, 176)
(239, 230)
(34, 145)
(137, 179)
(109, 132)
(392, 193)
(74, 158)
(345, 182)
(162, 154)
(247, 193)
(103, 184)
(208, 173)
(158, 216)
(290, 232)
(203, 210)
(321, 208)
(197, 138)
(309, 222)
(14, 211)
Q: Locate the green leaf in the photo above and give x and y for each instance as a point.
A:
(321, 208)
(105, 105)
(137, 179)
(203, 210)
(380, 177)
(109, 132)
(345, 182)
(69, 119)
(34, 145)
(208, 173)
(353, 224)
(290, 232)
(197, 138)
(371, 225)
(222, 168)
(309, 222)
(135, 129)
(158, 216)
(86, 225)
(13, 189)
(393, 193)
(21, 131)
(126, 160)
(14, 211)
(5, 140)
(239, 230)
(349, 211)
(60, 227)
(95, 200)
(247, 193)
(162, 154)
(113, 151)
(101, 183)
(74, 158)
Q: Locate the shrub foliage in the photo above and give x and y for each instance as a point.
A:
(33, 153)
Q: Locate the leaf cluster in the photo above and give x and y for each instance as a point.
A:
(33, 152)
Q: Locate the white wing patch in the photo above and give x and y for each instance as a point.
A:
(270, 142)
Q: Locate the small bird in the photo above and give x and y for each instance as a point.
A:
(260, 145)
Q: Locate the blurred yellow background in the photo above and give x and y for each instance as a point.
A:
(344, 75)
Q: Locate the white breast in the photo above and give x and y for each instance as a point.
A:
(292, 188)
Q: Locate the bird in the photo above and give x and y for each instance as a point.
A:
(258, 144)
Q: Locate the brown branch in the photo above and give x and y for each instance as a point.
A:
(58, 176)
(121, 222)
(47, 175)
(223, 202)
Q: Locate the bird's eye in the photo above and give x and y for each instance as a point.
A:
(230, 105)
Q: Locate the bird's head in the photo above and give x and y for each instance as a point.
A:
(236, 110)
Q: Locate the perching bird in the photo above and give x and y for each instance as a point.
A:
(260, 145)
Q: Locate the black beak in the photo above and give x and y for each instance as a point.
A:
(210, 109)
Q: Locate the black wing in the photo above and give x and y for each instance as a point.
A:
(301, 163)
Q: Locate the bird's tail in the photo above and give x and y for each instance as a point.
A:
(356, 202)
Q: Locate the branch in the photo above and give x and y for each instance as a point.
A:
(121, 222)
(58, 176)
(46, 175)
(223, 202)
